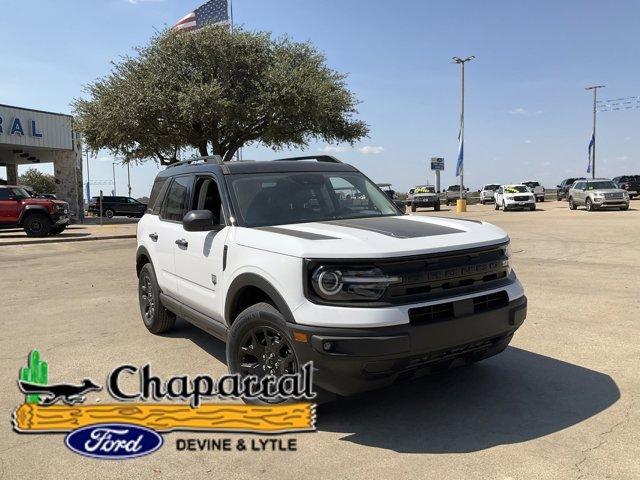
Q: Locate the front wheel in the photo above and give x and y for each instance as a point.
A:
(156, 318)
(532, 207)
(572, 204)
(504, 206)
(589, 205)
(37, 225)
(260, 344)
(496, 206)
(413, 207)
(437, 207)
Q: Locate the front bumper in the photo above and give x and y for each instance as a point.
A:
(610, 203)
(59, 219)
(514, 205)
(369, 358)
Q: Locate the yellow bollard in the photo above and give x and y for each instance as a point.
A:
(461, 205)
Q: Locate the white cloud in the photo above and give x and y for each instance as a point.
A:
(371, 150)
(365, 150)
(524, 112)
(528, 141)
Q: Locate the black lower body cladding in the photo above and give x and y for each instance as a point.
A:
(348, 360)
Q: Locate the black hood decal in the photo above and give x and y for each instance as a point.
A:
(296, 233)
(395, 227)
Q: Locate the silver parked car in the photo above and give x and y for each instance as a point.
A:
(597, 193)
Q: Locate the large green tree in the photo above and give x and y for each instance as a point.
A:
(40, 182)
(215, 91)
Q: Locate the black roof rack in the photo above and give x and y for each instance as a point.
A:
(319, 158)
(215, 159)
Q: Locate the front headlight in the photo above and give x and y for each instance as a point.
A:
(507, 253)
(346, 283)
(625, 195)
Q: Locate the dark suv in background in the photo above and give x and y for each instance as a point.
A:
(112, 206)
(565, 185)
(630, 183)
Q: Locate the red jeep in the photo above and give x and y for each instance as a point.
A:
(38, 216)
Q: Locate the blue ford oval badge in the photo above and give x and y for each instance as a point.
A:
(115, 441)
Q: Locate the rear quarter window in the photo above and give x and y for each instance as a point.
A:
(157, 194)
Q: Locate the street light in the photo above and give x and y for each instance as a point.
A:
(592, 160)
(461, 62)
(113, 165)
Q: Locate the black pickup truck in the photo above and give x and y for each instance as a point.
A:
(630, 183)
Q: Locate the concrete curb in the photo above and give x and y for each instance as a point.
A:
(63, 240)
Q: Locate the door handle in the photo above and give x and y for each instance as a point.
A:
(153, 236)
(181, 242)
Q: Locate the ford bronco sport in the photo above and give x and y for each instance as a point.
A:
(291, 261)
(38, 216)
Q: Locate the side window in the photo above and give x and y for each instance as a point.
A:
(207, 197)
(4, 194)
(176, 203)
(157, 194)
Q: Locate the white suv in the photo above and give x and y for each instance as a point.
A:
(515, 197)
(488, 193)
(292, 261)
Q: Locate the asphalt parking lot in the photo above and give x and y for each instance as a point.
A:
(561, 402)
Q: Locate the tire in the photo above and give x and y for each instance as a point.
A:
(626, 207)
(481, 202)
(504, 206)
(109, 213)
(59, 229)
(589, 205)
(496, 206)
(532, 207)
(263, 329)
(413, 207)
(37, 225)
(436, 207)
(155, 317)
(572, 205)
(542, 199)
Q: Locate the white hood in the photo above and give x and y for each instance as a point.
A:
(376, 237)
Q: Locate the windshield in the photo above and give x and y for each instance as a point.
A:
(425, 189)
(282, 198)
(19, 192)
(602, 185)
(491, 187)
(516, 189)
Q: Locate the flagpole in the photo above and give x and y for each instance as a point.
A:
(461, 139)
(593, 148)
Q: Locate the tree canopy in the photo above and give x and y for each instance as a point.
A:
(40, 182)
(215, 91)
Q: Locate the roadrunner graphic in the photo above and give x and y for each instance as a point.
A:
(67, 392)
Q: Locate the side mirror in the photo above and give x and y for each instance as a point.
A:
(199, 221)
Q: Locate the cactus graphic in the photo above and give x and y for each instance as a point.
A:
(36, 371)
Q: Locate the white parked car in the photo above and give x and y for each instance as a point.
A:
(536, 189)
(488, 193)
(295, 261)
(515, 197)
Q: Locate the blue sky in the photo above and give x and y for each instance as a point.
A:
(527, 113)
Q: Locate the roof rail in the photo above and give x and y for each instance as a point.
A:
(319, 158)
(215, 159)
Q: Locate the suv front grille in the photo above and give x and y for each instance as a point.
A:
(521, 198)
(430, 277)
(613, 196)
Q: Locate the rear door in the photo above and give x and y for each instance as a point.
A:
(169, 229)
(200, 258)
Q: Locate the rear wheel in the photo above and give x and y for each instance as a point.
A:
(156, 318)
(37, 225)
(109, 213)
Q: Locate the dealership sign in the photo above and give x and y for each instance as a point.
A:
(15, 127)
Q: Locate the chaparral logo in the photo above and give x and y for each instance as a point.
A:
(113, 441)
(131, 426)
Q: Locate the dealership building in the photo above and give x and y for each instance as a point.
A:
(29, 137)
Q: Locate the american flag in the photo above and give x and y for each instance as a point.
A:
(214, 12)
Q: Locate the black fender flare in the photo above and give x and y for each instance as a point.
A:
(253, 280)
(140, 254)
(32, 208)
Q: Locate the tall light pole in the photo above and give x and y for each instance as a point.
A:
(592, 158)
(461, 62)
(113, 164)
(129, 179)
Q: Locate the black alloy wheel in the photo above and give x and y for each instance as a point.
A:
(265, 351)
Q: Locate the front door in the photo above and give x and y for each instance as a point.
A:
(9, 207)
(199, 259)
(169, 229)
